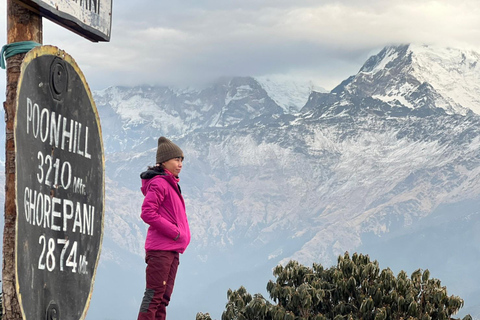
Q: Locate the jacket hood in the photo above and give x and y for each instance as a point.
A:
(149, 174)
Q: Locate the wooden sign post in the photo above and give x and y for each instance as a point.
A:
(22, 25)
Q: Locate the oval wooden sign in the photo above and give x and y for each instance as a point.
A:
(60, 186)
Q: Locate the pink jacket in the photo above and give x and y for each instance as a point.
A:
(164, 210)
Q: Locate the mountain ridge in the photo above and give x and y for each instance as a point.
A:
(265, 183)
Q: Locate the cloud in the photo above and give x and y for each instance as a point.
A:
(194, 42)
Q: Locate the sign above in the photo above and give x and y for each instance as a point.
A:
(60, 187)
(91, 19)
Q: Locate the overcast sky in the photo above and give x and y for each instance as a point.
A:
(191, 43)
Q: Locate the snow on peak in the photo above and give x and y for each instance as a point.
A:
(453, 73)
(290, 94)
(390, 55)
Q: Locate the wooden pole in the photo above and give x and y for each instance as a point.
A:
(22, 25)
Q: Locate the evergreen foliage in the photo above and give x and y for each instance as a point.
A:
(355, 288)
(202, 316)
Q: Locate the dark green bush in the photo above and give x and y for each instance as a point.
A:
(355, 288)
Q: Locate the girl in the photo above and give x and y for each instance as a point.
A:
(168, 234)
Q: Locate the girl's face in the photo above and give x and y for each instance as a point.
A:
(174, 165)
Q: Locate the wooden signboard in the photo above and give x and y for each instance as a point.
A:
(91, 19)
(59, 187)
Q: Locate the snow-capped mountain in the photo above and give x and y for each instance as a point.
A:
(387, 164)
(165, 111)
(413, 77)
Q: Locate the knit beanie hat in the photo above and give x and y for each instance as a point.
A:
(167, 150)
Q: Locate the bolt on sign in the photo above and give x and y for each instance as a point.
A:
(91, 19)
(60, 186)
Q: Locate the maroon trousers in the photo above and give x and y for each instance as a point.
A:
(160, 275)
